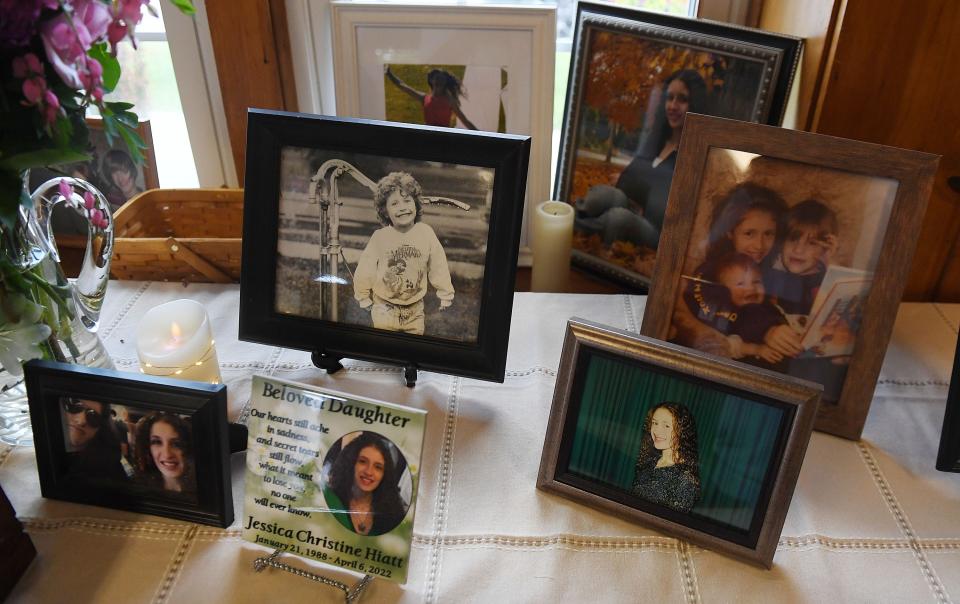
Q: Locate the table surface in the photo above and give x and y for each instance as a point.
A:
(869, 521)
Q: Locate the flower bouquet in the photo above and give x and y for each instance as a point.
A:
(57, 58)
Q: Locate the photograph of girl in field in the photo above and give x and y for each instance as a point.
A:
(636, 92)
(451, 96)
(779, 264)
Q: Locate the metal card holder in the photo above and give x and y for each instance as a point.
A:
(350, 594)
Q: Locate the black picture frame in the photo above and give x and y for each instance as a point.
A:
(629, 377)
(49, 383)
(269, 132)
(774, 60)
(948, 455)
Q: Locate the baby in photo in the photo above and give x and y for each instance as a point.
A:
(732, 299)
(400, 259)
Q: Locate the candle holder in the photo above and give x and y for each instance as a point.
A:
(175, 340)
(552, 239)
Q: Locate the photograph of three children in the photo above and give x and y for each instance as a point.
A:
(780, 263)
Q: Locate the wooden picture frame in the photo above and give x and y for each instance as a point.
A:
(600, 445)
(870, 200)
(95, 169)
(510, 48)
(86, 426)
(622, 120)
(948, 456)
(324, 270)
(69, 225)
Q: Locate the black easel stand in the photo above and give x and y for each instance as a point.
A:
(326, 361)
(331, 363)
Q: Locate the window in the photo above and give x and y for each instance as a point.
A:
(148, 81)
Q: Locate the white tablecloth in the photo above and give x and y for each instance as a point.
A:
(870, 521)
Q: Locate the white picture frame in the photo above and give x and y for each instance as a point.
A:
(366, 36)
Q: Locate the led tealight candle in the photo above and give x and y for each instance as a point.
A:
(552, 237)
(174, 340)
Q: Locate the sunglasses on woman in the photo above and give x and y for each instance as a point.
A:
(92, 417)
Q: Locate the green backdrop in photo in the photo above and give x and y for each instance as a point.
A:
(736, 436)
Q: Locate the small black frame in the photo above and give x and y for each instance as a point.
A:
(269, 132)
(948, 457)
(48, 382)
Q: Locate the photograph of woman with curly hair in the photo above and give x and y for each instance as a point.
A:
(362, 489)
(164, 454)
(668, 465)
(671, 445)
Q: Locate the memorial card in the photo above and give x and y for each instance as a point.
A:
(332, 477)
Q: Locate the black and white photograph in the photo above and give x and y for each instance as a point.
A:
(125, 441)
(381, 241)
(388, 243)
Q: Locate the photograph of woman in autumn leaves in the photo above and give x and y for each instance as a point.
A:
(626, 118)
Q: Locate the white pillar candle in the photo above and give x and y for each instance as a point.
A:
(552, 238)
(175, 340)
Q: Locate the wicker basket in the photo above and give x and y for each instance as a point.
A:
(179, 235)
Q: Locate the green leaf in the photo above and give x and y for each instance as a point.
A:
(134, 144)
(110, 128)
(118, 106)
(128, 119)
(185, 6)
(41, 157)
(110, 64)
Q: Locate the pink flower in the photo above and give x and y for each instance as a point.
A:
(33, 63)
(27, 65)
(65, 189)
(67, 40)
(126, 14)
(116, 32)
(89, 71)
(88, 200)
(94, 15)
(33, 90)
(130, 10)
(64, 47)
(51, 100)
(97, 218)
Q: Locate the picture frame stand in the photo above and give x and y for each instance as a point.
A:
(331, 363)
(410, 374)
(350, 594)
(326, 361)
